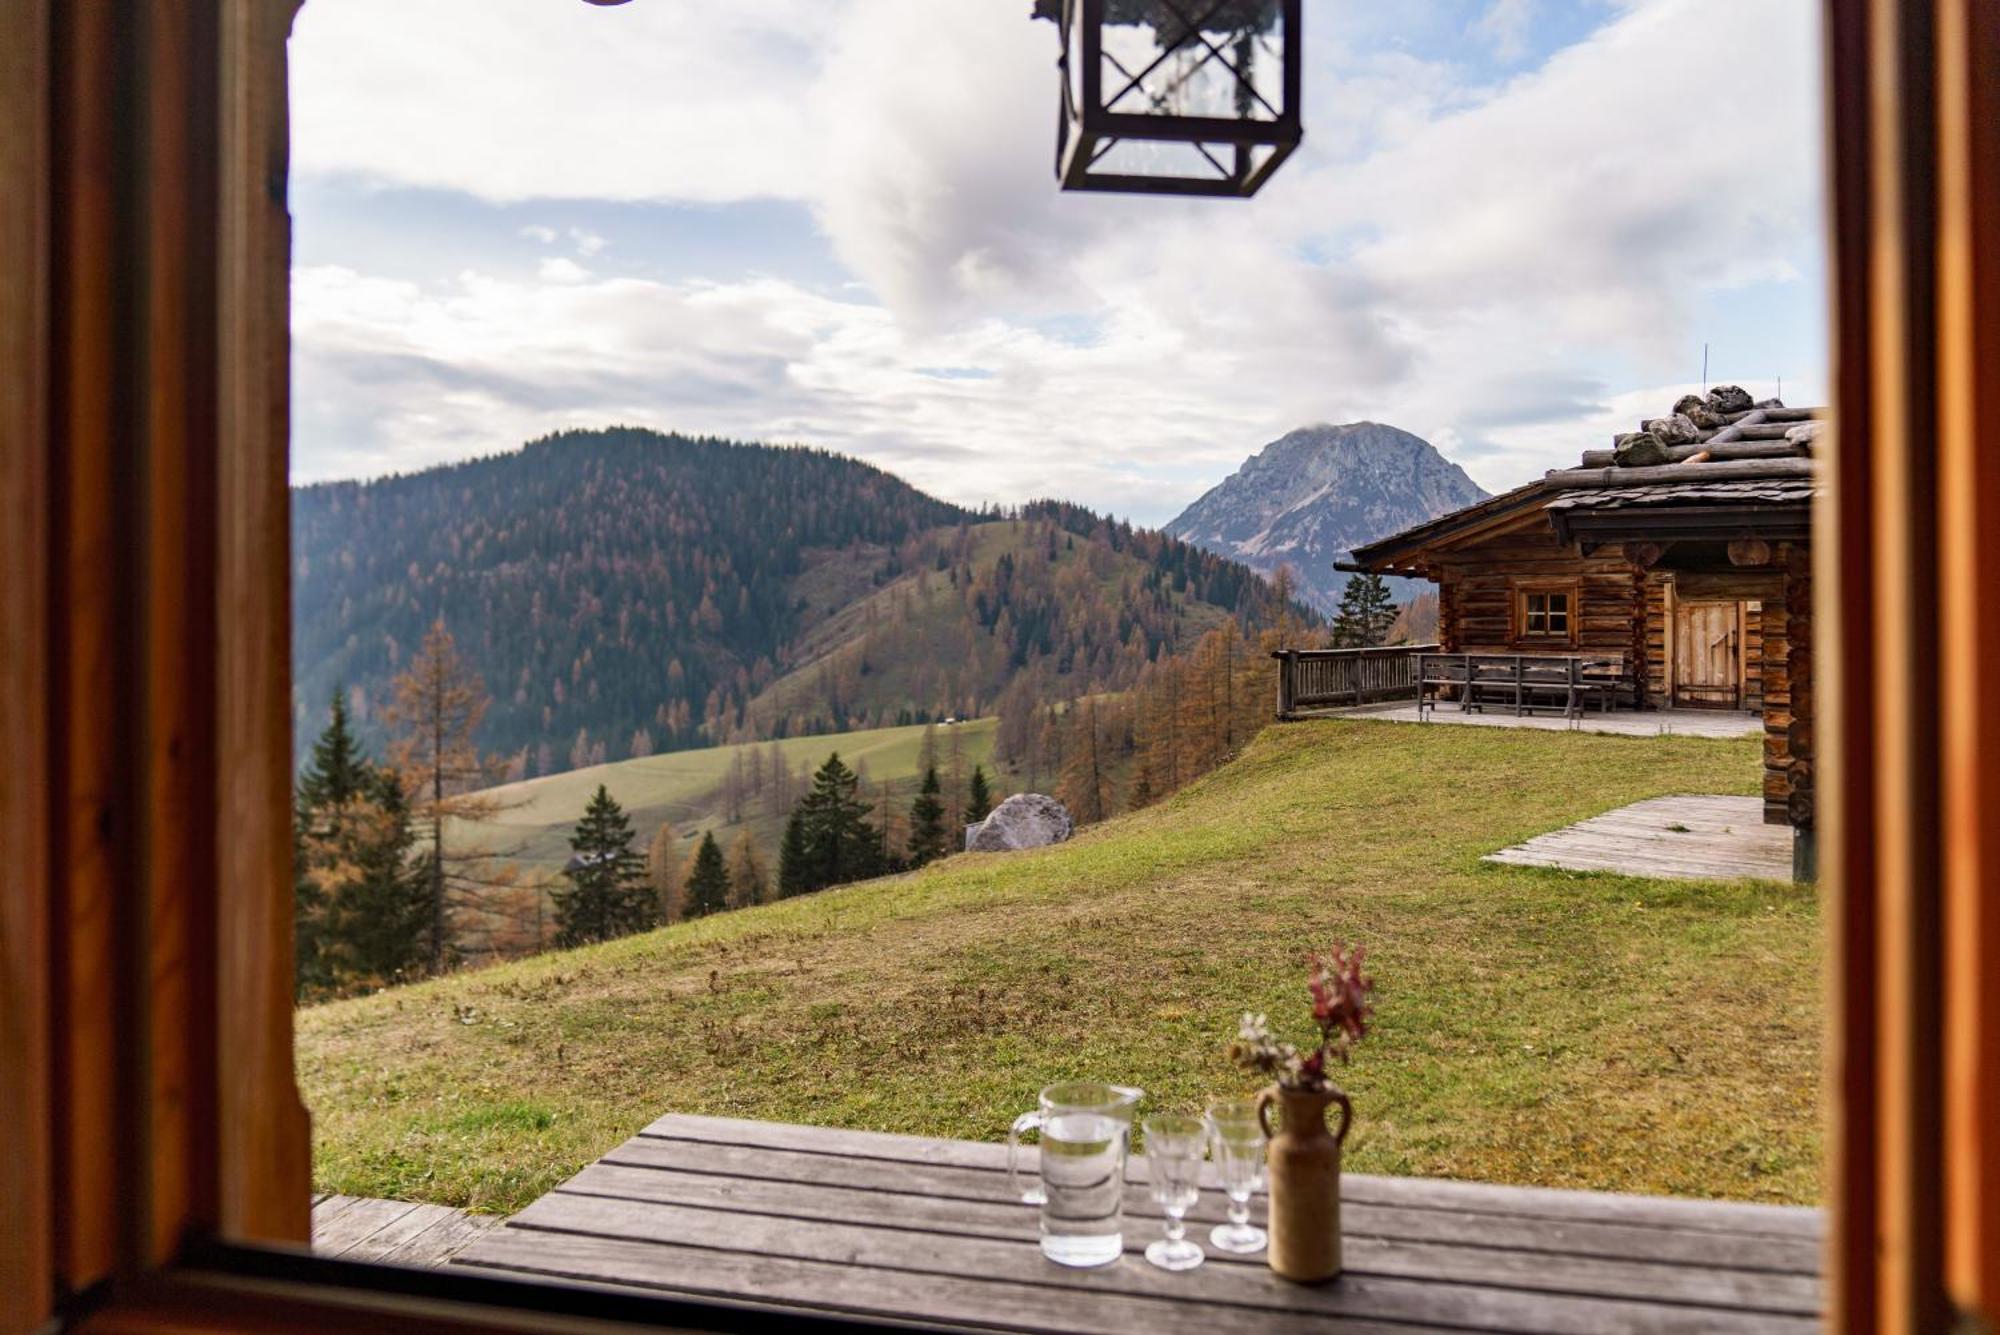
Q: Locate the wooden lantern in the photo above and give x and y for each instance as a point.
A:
(1176, 97)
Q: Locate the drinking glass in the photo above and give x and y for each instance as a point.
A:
(1175, 1148)
(1238, 1138)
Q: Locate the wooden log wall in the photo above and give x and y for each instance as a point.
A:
(1775, 629)
(1800, 807)
(1753, 655)
(1659, 634)
(1619, 611)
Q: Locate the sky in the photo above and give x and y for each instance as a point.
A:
(1511, 229)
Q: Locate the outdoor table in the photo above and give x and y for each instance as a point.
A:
(927, 1231)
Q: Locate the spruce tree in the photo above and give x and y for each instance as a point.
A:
(608, 894)
(708, 882)
(840, 844)
(362, 909)
(792, 856)
(978, 798)
(927, 841)
(1365, 613)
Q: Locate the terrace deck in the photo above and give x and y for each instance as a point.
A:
(1626, 723)
(358, 1228)
(1678, 838)
(926, 1231)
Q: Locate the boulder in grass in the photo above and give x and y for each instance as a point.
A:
(1639, 449)
(1678, 429)
(1725, 399)
(1025, 820)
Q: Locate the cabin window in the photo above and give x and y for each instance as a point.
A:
(1545, 613)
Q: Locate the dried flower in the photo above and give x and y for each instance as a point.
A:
(1342, 1006)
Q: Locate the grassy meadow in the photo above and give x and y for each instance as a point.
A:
(1534, 1026)
(536, 816)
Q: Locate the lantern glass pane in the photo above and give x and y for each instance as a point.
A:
(1194, 58)
(1173, 159)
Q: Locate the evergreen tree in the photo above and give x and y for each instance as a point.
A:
(792, 856)
(362, 911)
(608, 894)
(839, 843)
(1365, 613)
(708, 882)
(979, 797)
(927, 841)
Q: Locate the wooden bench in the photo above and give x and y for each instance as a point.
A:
(1526, 682)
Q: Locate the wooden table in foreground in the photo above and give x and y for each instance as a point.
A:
(925, 1231)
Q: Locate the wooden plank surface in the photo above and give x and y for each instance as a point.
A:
(392, 1232)
(926, 1229)
(1718, 723)
(1686, 837)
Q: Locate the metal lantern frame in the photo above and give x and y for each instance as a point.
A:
(1087, 131)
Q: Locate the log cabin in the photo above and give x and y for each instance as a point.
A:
(1683, 550)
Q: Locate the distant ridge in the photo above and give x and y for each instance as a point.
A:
(1309, 497)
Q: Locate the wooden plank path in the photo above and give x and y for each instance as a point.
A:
(392, 1232)
(1682, 838)
(1717, 723)
(900, 1227)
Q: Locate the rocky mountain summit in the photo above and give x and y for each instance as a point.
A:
(1310, 496)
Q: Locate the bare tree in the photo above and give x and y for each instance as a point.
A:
(433, 714)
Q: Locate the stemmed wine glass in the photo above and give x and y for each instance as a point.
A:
(1175, 1148)
(1238, 1137)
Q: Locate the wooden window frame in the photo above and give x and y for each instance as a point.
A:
(1520, 589)
(145, 1006)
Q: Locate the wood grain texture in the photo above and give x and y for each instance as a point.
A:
(27, 1247)
(1701, 838)
(886, 1225)
(266, 1173)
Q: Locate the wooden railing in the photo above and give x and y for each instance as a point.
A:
(1328, 678)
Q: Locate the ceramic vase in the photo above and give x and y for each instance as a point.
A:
(1304, 1161)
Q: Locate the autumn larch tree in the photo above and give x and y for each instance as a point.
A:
(1083, 786)
(433, 713)
(708, 882)
(664, 871)
(608, 894)
(749, 883)
(927, 822)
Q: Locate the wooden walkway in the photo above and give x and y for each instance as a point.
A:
(1681, 838)
(392, 1232)
(1623, 723)
(926, 1230)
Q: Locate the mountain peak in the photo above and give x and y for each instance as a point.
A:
(1316, 492)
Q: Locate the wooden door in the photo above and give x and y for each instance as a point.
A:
(1708, 655)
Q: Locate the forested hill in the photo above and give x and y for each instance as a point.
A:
(622, 592)
(592, 577)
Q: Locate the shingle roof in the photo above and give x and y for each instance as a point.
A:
(1721, 450)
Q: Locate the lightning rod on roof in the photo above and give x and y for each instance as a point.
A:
(1704, 368)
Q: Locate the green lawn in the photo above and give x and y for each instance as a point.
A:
(1534, 1026)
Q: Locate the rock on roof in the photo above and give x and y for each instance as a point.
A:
(1719, 447)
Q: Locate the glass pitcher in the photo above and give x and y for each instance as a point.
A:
(1085, 1128)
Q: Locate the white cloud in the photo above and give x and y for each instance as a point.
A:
(1505, 25)
(537, 232)
(1492, 266)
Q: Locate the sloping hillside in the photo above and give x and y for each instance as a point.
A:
(1534, 1026)
(718, 789)
(623, 593)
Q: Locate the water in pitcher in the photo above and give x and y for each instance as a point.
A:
(1083, 1178)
